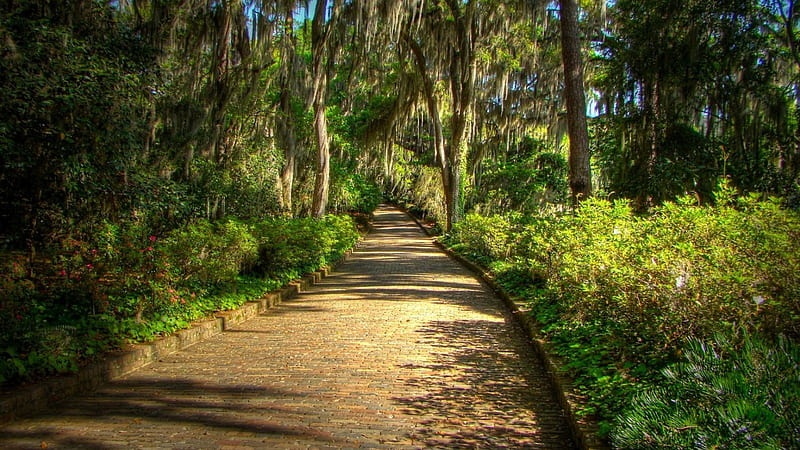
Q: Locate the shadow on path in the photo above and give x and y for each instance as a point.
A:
(155, 412)
(483, 390)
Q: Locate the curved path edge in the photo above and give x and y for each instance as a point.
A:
(21, 401)
(585, 431)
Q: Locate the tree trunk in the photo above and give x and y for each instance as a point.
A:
(580, 182)
(647, 153)
(462, 72)
(462, 91)
(287, 138)
(287, 180)
(789, 17)
(456, 156)
(320, 82)
(322, 181)
(440, 155)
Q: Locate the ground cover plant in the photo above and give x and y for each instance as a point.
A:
(629, 301)
(119, 284)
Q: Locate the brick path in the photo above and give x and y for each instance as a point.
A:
(400, 347)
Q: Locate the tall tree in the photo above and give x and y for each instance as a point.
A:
(320, 30)
(579, 170)
(457, 23)
(787, 13)
(713, 98)
(286, 119)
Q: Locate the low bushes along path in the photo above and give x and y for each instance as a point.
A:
(400, 347)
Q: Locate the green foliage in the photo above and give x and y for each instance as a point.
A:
(374, 114)
(715, 97)
(101, 121)
(288, 248)
(735, 264)
(685, 162)
(720, 395)
(419, 189)
(118, 282)
(484, 239)
(71, 119)
(618, 294)
(528, 180)
(351, 191)
(211, 253)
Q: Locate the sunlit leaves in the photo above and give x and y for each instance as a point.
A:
(618, 294)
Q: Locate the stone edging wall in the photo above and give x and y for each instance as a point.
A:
(28, 399)
(585, 432)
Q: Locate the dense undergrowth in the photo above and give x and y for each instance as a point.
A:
(117, 283)
(680, 327)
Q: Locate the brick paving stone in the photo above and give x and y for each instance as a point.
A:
(400, 347)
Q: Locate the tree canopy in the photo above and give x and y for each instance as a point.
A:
(630, 167)
(168, 110)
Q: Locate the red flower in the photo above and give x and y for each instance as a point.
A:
(63, 273)
(152, 238)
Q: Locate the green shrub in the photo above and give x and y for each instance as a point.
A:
(285, 247)
(483, 238)
(720, 396)
(685, 271)
(210, 253)
(353, 192)
(118, 282)
(344, 233)
(529, 181)
(618, 294)
(292, 247)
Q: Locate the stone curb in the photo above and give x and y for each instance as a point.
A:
(29, 399)
(584, 432)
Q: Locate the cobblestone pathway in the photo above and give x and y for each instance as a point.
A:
(401, 347)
